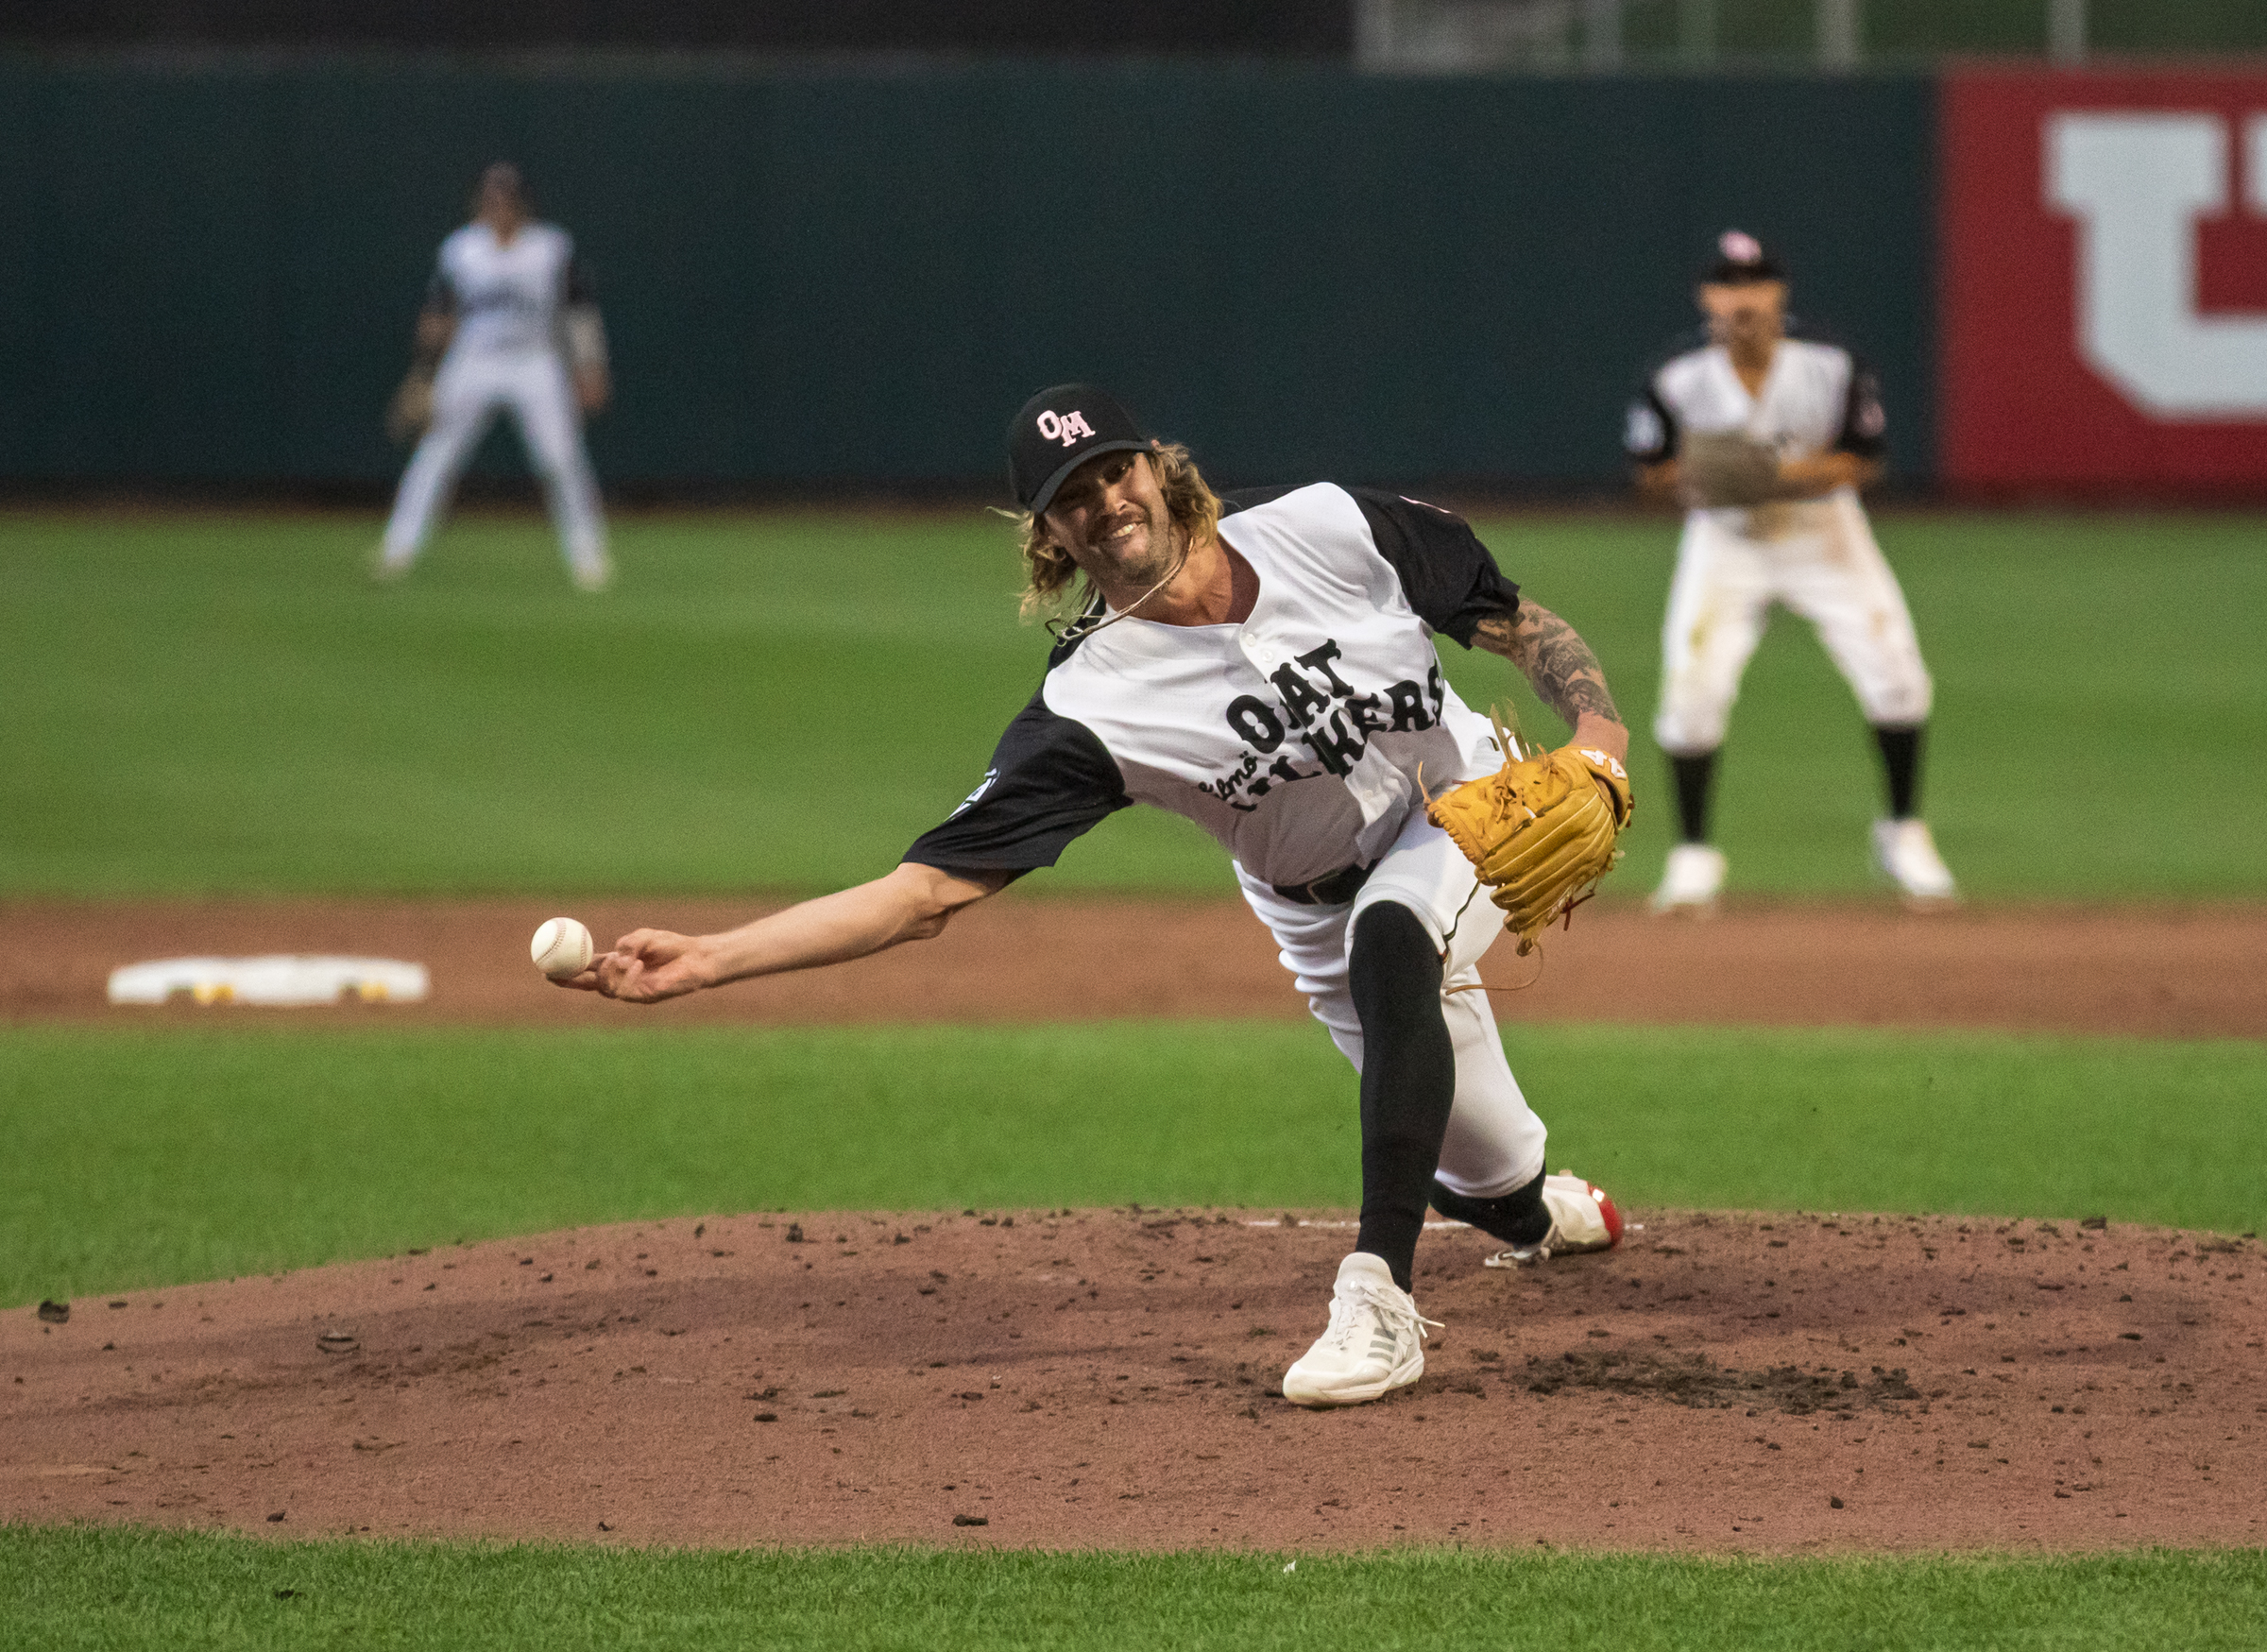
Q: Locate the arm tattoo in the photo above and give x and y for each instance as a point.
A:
(1557, 663)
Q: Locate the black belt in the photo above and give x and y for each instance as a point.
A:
(1334, 891)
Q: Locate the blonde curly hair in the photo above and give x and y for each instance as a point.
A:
(1049, 569)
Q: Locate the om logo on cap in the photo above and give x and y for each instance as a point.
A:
(1066, 428)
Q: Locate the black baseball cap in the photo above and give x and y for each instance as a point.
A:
(1742, 260)
(1058, 431)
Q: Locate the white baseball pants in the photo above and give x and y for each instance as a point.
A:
(1495, 1143)
(467, 393)
(1819, 558)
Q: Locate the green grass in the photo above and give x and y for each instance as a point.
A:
(152, 1158)
(91, 1588)
(208, 702)
(2065, 649)
(216, 704)
(212, 704)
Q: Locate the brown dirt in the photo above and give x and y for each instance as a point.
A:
(1104, 1377)
(1716, 1385)
(2199, 972)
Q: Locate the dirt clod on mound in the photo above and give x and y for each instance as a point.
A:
(1698, 1381)
(1112, 1378)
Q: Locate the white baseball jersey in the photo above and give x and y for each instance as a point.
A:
(506, 300)
(1294, 738)
(507, 297)
(1816, 556)
(1818, 398)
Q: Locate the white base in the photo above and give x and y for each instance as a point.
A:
(282, 978)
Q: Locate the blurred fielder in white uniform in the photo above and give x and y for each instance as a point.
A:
(1765, 435)
(511, 325)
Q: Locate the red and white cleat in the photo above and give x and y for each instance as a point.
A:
(1582, 1218)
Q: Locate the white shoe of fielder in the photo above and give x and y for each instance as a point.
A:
(1582, 1218)
(1693, 878)
(1376, 1342)
(1906, 851)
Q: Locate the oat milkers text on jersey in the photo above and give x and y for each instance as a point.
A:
(1265, 666)
(1332, 679)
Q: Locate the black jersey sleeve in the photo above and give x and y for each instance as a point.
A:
(1449, 577)
(1865, 424)
(581, 289)
(1051, 779)
(1649, 432)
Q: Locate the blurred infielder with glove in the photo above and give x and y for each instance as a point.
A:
(1264, 664)
(509, 324)
(1765, 433)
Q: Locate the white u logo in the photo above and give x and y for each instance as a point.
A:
(2137, 184)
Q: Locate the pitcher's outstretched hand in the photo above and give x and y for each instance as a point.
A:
(644, 968)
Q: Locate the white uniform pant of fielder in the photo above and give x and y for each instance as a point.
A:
(467, 393)
(1819, 558)
(1495, 1142)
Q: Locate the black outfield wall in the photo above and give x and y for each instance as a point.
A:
(820, 277)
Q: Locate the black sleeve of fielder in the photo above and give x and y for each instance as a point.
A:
(1448, 576)
(1050, 782)
(1649, 434)
(581, 289)
(1864, 421)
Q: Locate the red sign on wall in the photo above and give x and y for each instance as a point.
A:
(2104, 269)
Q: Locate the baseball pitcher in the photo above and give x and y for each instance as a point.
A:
(510, 325)
(1765, 432)
(1264, 665)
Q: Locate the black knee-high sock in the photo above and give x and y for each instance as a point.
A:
(1408, 1080)
(1693, 772)
(1517, 1217)
(1900, 764)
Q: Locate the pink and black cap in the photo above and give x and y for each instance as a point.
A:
(1058, 431)
(1740, 261)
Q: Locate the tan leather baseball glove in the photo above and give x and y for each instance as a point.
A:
(1727, 468)
(1540, 829)
(411, 410)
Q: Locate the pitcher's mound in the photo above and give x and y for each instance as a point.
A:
(1063, 1380)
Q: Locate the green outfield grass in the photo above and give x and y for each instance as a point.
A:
(87, 1589)
(207, 703)
(165, 1156)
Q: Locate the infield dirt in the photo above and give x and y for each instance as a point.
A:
(2188, 973)
(1770, 1382)
(1108, 1378)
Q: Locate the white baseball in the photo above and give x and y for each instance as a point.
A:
(561, 948)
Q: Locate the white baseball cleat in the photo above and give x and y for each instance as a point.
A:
(593, 576)
(1582, 1218)
(1906, 851)
(1376, 1342)
(1693, 879)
